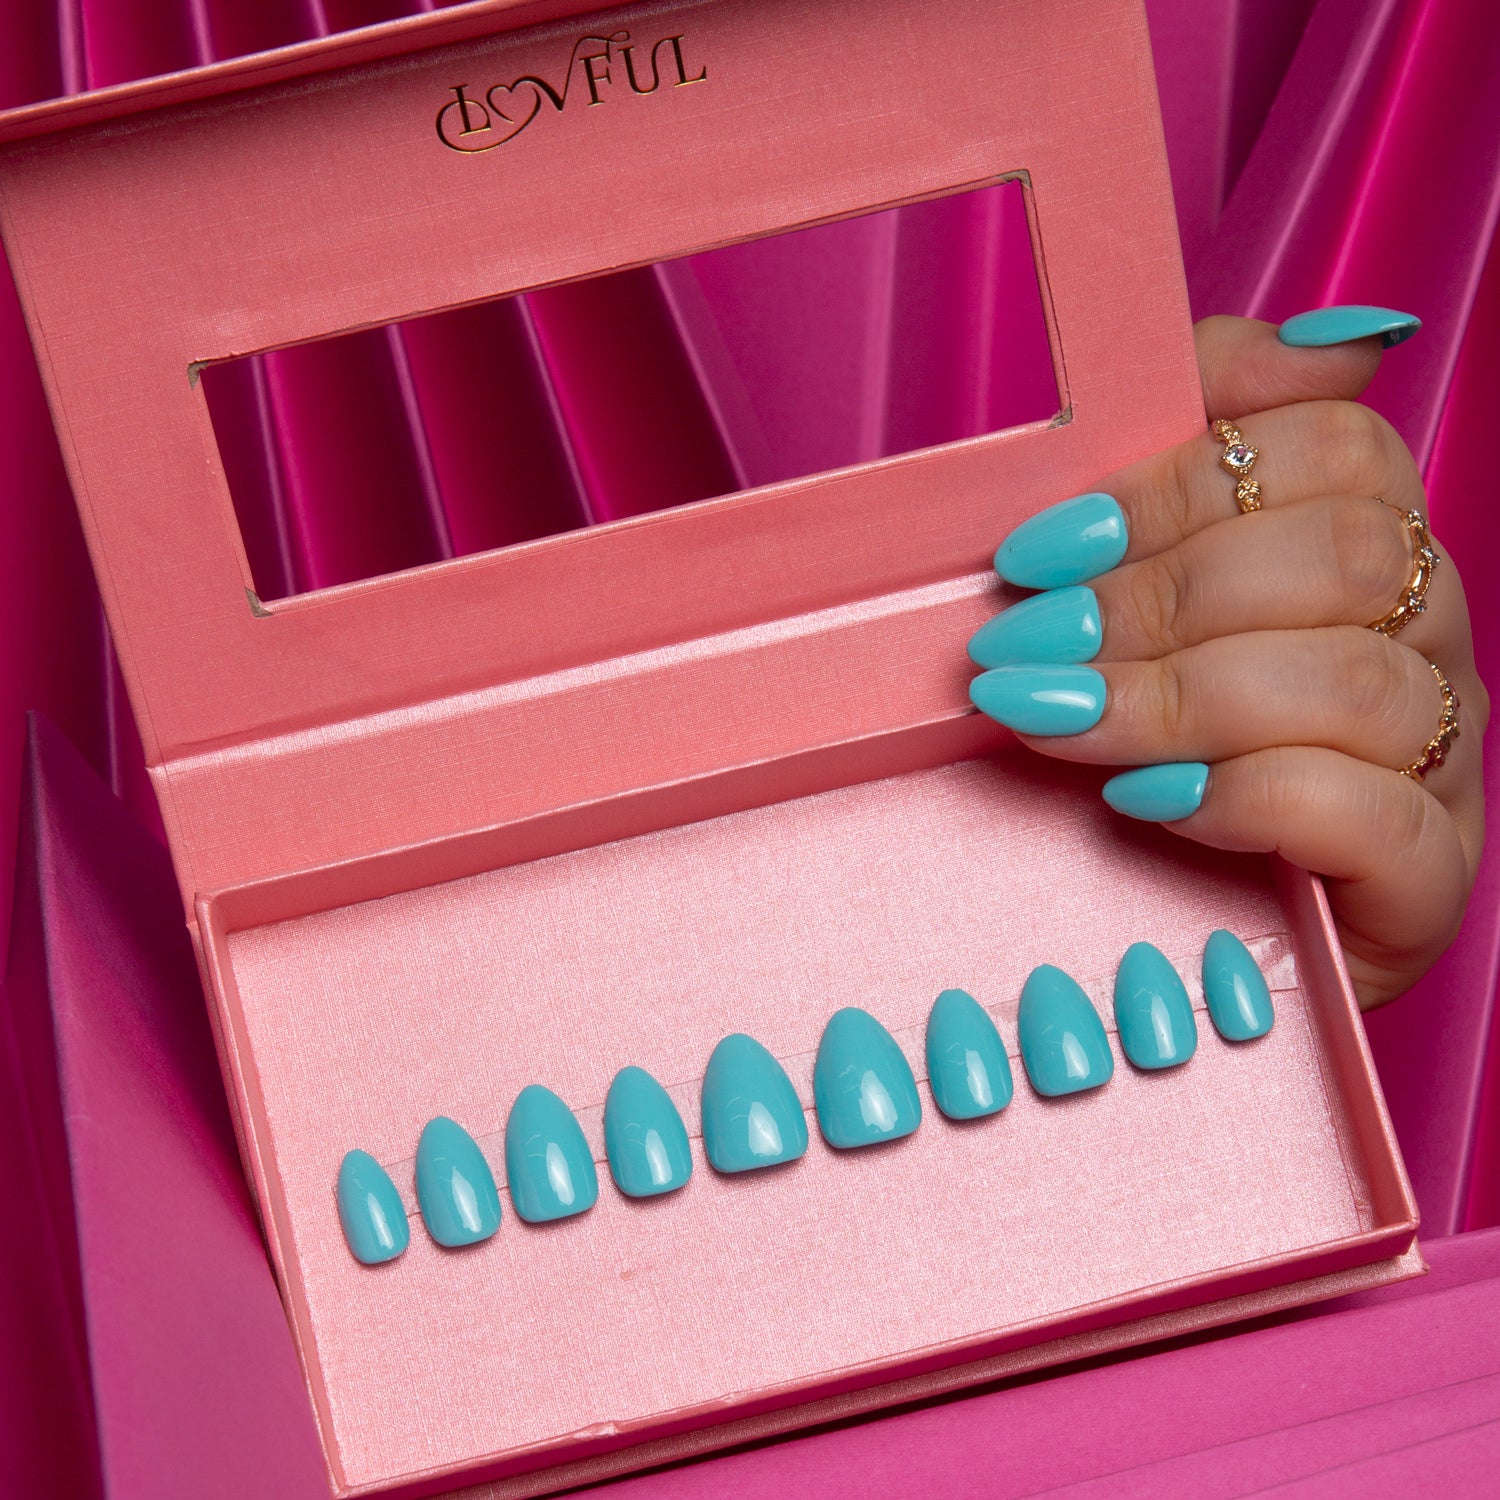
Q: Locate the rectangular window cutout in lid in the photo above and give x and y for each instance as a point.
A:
(570, 406)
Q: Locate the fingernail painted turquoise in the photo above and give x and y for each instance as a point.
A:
(1061, 625)
(967, 1068)
(1340, 325)
(1159, 794)
(1069, 542)
(751, 1114)
(644, 1137)
(455, 1187)
(1239, 1000)
(1045, 700)
(370, 1210)
(1062, 1038)
(862, 1083)
(548, 1165)
(1152, 1010)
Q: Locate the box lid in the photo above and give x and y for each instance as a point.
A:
(215, 214)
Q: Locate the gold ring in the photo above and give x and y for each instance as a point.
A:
(1437, 748)
(1237, 460)
(1424, 563)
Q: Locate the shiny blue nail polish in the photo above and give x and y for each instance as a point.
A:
(1239, 1000)
(967, 1068)
(548, 1165)
(1043, 700)
(1061, 625)
(862, 1083)
(1159, 794)
(1340, 325)
(455, 1187)
(751, 1114)
(1062, 1038)
(1069, 542)
(1152, 1011)
(370, 1210)
(644, 1137)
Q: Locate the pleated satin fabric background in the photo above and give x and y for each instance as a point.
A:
(1323, 151)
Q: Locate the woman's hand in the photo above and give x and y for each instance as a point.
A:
(1244, 642)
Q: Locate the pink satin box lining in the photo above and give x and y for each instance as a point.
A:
(538, 812)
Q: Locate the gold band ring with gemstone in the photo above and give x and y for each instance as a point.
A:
(1424, 561)
(1435, 752)
(1237, 461)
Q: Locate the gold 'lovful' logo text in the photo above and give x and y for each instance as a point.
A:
(471, 124)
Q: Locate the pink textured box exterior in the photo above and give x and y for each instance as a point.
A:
(536, 813)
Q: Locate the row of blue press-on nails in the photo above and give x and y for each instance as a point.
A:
(863, 1089)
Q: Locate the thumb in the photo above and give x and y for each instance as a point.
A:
(1245, 368)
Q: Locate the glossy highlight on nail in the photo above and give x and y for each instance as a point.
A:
(549, 1167)
(752, 1117)
(1061, 625)
(644, 1137)
(967, 1067)
(1158, 794)
(1063, 1042)
(455, 1187)
(370, 1210)
(1152, 1011)
(862, 1083)
(1324, 326)
(1239, 999)
(1041, 700)
(1070, 542)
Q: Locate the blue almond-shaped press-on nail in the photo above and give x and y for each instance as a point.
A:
(370, 1210)
(1070, 542)
(1061, 625)
(1041, 700)
(644, 1137)
(1159, 794)
(1239, 1000)
(967, 1068)
(862, 1083)
(455, 1187)
(1342, 325)
(548, 1165)
(1152, 1011)
(1063, 1042)
(751, 1114)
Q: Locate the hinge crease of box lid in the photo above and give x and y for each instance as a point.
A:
(754, 638)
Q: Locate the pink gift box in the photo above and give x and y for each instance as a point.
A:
(538, 812)
(144, 1254)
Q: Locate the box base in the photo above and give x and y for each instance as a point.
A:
(1253, 1165)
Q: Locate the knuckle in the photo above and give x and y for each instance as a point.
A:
(1370, 552)
(1408, 822)
(1171, 699)
(1265, 787)
(1178, 499)
(1356, 440)
(1157, 595)
(1402, 819)
(1373, 681)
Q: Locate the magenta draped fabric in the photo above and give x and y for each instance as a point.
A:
(137, 1300)
(1322, 151)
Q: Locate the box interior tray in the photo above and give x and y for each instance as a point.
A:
(563, 969)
